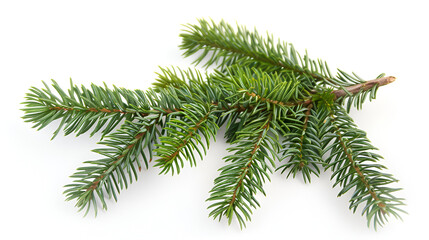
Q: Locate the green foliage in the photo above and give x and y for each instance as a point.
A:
(110, 174)
(184, 135)
(355, 167)
(81, 109)
(280, 111)
(253, 151)
(224, 46)
(357, 100)
(302, 146)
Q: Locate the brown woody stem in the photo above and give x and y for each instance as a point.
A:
(363, 86)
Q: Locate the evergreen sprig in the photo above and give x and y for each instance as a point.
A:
(110, 174)
(183, 135)
(223, 46)
(302, 146)
(281, 110)
(80, 108)
(356, 166)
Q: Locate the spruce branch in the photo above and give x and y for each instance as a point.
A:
(225, 46)
(302, 147)
(271, 102)
(183, 136)
(80, 108)
(356, 166)
(245, 172)
(109, 175)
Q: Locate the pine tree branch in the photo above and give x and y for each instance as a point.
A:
(191, 132)
(107, 175)
(267, 60)
(249, 80)
(347, 91)
(302, 147)
(245, 170)
(238, 47)
(355, 166)
(347, 152)
(183, 136)
(111, 166)
(82, 108)
(230, 46)
(262, 89)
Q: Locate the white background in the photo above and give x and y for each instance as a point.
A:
(124, 42)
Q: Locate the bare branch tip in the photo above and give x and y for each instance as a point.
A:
(390, 79)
